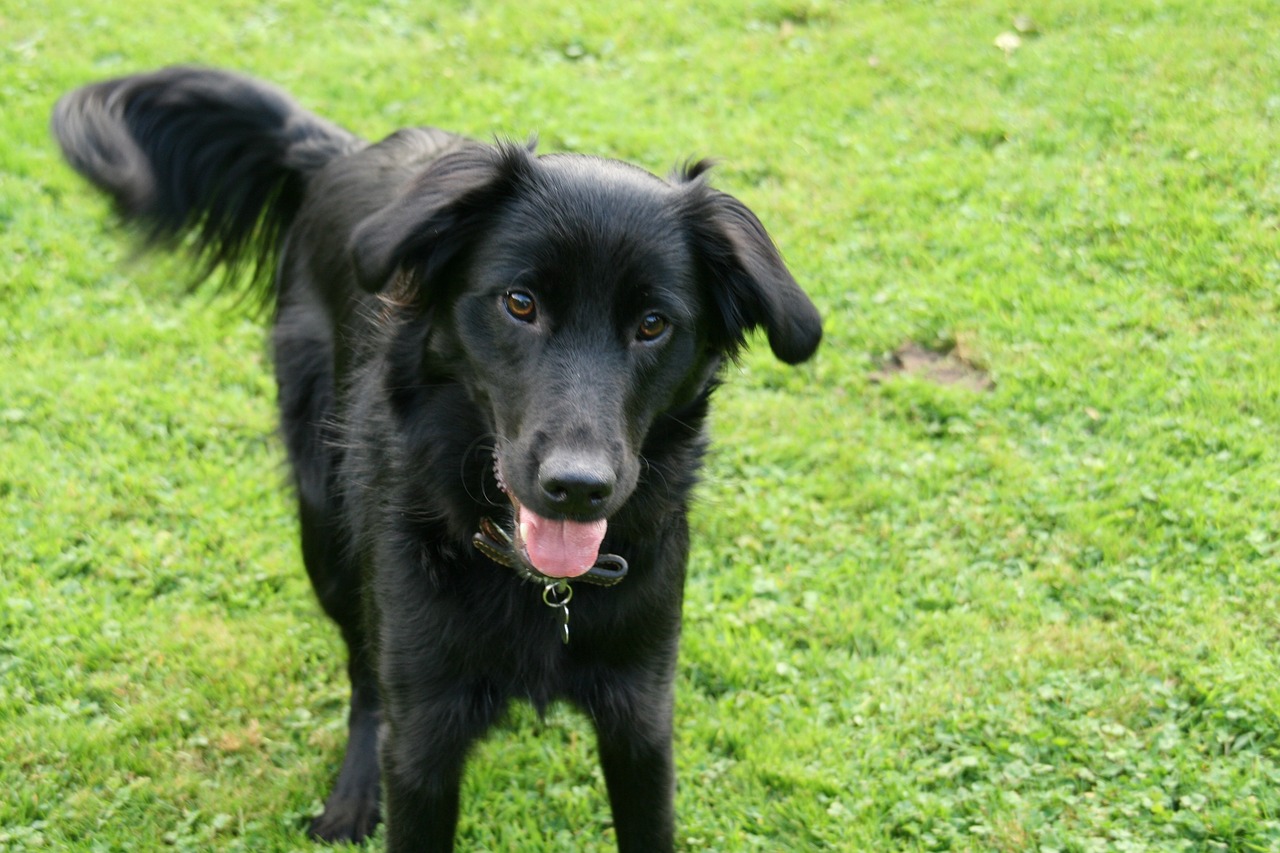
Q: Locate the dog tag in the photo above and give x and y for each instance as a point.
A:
(561, 603)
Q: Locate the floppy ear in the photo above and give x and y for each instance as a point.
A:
(432, 222)
(750, 286)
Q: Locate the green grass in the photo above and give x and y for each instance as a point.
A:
(919, 617)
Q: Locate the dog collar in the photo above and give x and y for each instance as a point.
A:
(496, 544)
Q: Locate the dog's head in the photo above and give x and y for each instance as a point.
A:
(578, 300)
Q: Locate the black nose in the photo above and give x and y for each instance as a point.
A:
(576, 485)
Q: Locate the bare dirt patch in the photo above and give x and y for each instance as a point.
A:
(944, 367)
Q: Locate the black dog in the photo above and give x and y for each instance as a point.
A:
(494, 371)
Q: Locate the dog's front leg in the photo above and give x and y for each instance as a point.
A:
(423, 753)
(633, 730)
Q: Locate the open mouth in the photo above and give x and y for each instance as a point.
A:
(557, 548)
(546, 549)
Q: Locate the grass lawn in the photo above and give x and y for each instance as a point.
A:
(1042, 615)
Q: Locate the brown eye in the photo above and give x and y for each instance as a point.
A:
(520, 305)
(652, 327)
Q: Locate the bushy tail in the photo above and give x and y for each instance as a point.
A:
(216, 155)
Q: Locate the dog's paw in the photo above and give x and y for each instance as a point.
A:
(352, 819)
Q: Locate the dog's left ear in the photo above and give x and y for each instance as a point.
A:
(432, 223)
(750, 286)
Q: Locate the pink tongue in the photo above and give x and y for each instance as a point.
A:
(560, 549)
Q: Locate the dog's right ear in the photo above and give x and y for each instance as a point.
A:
(432, 222)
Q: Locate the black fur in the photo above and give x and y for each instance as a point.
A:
(404, 385)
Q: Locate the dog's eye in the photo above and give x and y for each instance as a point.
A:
(652, 327)
(520, 305)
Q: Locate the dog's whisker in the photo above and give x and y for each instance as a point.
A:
(487, 446)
